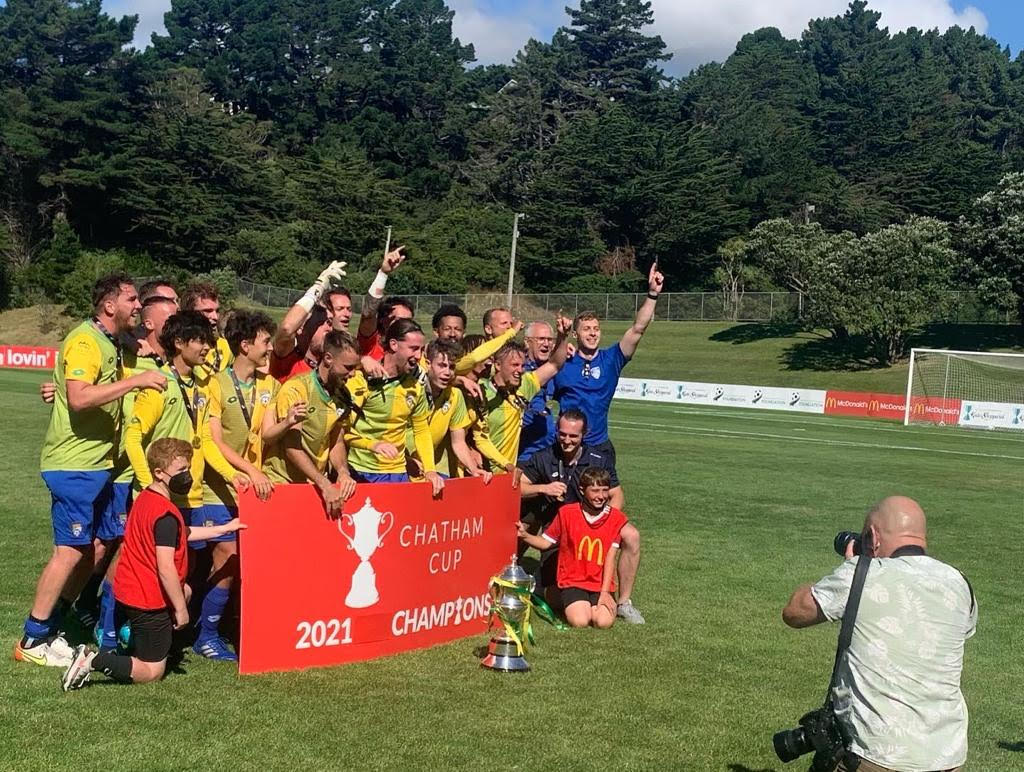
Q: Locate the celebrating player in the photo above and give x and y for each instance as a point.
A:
(150, 581)
(509, 390)
(385, 409)
(77, 458)
(378, 314)
(305, 320)
(142, 352)
(589, 378)
(181, 412)
(496, 321)
(449, 323)
(587, 534)
(479, 441)
(239, 398)
(448, 417)
(307, 437)
(205, 299)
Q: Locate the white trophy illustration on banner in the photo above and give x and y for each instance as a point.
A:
(366, 524)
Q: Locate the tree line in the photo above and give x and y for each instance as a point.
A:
(264, 138)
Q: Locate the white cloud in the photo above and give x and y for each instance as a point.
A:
(150, 13)
(497, 37)
(697, 32)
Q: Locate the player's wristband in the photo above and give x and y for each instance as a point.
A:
(379, 282)
(307, 301)
(652, 296)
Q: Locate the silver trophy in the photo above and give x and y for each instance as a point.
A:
(509, 605)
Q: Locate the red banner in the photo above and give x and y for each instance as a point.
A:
(28, 357)
(871, 405)
(397, 571)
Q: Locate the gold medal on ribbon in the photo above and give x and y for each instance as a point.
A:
(196, 442)
(254, 439)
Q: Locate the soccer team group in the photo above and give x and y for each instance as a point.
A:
(161, 415)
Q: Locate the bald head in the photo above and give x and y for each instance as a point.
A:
(895, 521)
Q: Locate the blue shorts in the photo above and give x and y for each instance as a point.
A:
(379, 477)
(213, 514)
(114, 516)
(78, 501)
(191, 515)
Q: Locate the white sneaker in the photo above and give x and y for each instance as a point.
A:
(630, 613)
(45, 654)
(60, 647)
(77, 674)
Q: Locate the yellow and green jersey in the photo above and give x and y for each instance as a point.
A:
(504, 412)
(384, 411)
(133, 364)
(447, 412)
(83, 440)
(218, 359)
(479, 435)
(243, 437)
(483, 352)
(319, 431)
(157, 414)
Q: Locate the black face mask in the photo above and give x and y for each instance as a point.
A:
(181, 483)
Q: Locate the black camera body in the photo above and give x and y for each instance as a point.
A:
(818, 732)
(843, 538)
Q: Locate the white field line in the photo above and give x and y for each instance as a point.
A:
(724, 433)
(830, 422)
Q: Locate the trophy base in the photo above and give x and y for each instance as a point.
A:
(363, 592)
(502, 655)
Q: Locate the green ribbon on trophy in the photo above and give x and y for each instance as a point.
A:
(521, 630)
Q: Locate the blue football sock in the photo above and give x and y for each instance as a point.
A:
(36, 630)
(107, 624)
(213, 607)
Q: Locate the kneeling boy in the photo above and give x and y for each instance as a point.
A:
(587, 536)
(149, 586)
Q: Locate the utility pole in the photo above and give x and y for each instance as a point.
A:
(512, 260)
(387, 242)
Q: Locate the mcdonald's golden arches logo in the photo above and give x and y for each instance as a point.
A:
(873, 406)
(918, 408)
(591, 545)
(830, 402)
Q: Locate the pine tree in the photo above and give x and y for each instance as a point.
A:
(618, 60)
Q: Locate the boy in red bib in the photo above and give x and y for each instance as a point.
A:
(149, 586)
(587, 537)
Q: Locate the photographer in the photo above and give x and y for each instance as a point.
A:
(896, 691)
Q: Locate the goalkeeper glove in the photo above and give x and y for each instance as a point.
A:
(334, 272)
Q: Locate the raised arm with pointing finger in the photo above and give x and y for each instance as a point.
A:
(375, 293)
(644, 315)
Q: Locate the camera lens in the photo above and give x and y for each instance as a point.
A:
(842, 539)
(791, 744)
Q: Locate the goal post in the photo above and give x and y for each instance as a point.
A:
(966, 388)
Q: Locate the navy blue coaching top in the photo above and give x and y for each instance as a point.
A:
(546, 466)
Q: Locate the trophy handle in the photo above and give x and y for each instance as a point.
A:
(341, 530)
(390, 517)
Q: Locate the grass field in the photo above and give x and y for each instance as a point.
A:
(736, 508)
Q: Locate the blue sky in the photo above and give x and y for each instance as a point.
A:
(696, 31)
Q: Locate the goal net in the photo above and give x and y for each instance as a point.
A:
(965, 388)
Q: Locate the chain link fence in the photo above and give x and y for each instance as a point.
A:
(964, 307)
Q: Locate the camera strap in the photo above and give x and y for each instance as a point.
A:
(849, 618)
